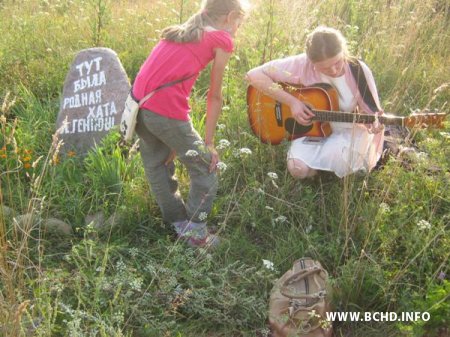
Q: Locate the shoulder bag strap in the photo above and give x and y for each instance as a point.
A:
(361, 81)
(146, 97)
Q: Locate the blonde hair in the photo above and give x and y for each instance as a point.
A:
(324, 43)
(209, 14)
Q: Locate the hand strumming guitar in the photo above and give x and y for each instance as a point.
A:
(301, 112)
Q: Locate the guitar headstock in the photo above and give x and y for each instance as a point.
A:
(425, 120)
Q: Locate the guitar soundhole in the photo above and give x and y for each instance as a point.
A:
(296, 129)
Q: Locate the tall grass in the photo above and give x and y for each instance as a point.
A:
(383, 237)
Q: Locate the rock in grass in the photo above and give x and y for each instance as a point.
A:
(6, 212)
(94, 95)
(26, 221)
(57, 226)
(96, 220)
(114, 220)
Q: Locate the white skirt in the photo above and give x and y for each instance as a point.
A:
(350, 148)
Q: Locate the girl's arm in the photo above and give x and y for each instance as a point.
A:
(214, 102)
(262, 79)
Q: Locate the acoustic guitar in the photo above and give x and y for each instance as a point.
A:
(272, 121)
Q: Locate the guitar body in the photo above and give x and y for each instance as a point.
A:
(272, 121)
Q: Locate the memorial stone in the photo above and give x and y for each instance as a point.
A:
(93, 99)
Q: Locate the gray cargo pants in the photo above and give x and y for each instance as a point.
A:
(158, 136)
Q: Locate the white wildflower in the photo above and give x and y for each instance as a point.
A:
(106, 286)
(422, 156)
(136, 284)
(272, 175)
(150, 268)
(445, 134)
(172, 282)
(384, 208)
(198, 142)
(223, 144)
(280, 219)
(120, 266)
(221, 166)
(202, 216)
(118, 317)
(133, 251)
(423, 224)
(191, 153)
(245, 151)
(308, 229)
(265, 332)
(221, 126)
(312, 313)
(325, 324)
(268, 264)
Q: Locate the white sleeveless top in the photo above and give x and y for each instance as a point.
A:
(348, 149)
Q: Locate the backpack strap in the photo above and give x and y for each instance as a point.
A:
(290, 291)
(165, 85)
(361, 81)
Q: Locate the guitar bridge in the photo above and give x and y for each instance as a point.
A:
(278, 114)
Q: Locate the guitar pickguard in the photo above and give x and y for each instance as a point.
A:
(295, 129)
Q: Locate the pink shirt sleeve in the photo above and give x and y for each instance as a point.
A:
(293, 69)
(287, 70)
(221, 39)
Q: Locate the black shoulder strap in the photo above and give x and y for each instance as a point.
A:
(363, 88)
(173, 82)
(146, 97)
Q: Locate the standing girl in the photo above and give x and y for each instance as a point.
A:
(163, 123)
(350, 147)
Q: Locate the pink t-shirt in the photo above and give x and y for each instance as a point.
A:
(171, 61)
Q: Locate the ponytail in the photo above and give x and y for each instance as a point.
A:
(212, 10)
(190, 31)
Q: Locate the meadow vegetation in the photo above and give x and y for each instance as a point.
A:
(383, 237)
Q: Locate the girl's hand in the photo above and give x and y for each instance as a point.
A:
(301, 112)
(170, 158)
(376, 126)
(214, 158)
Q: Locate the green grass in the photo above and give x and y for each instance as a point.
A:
(384, 237)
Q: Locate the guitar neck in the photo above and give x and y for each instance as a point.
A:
(349, 117)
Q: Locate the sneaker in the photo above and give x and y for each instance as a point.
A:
(195, 234)
(209, 241)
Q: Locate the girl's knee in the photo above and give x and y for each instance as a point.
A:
(299, 169)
